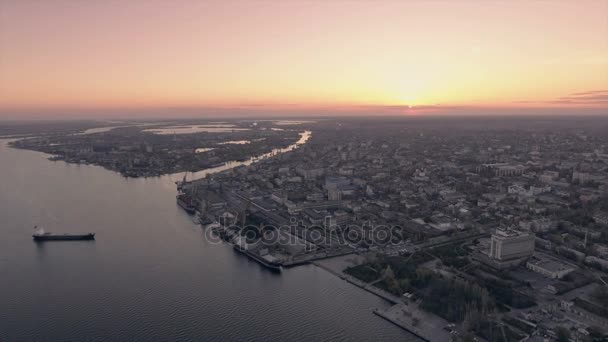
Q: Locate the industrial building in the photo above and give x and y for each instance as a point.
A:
(549, 267)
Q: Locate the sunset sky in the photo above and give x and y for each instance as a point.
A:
(179, 57)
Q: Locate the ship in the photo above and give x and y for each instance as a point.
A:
(182, 184)
(41, 235)
(185, 202)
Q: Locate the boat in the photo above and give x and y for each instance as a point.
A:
(180, 185)
(41, 235)
(185, 202)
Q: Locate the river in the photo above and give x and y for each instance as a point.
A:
(304, 136)
(150, 275)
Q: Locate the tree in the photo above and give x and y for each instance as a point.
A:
(415, 321)
(468, 337)
(600, 294)
(388, 273)
(563, 334)
(389, 278)
(596, 334)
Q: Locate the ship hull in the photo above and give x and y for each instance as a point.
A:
(189, 208)
(63, 237)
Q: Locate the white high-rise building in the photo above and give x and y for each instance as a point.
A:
(511, 244)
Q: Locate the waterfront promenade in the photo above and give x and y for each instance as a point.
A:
(404, 313)
(417, 321)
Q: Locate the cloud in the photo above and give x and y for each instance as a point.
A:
(591, 97)
(591, 92)
(587, 97)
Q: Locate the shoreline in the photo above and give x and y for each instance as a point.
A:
(429, 327)
(304, 136)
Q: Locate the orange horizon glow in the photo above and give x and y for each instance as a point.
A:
(304, 56)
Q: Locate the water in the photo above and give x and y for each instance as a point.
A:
(195, 129)
(235, 142)
(291, 122)
(150, 275)
(109, 128)
(304, 136)
(203, 149)
(97, 130)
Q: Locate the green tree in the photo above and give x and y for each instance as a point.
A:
(468, 337)
(563, 334)
(596, 334)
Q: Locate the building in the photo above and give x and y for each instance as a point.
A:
(509, 170)
(500, 170)
(278, 197)
(601, 263)
(537, 190)
(335, 182)
(315, 196)
(334, 194)
(532, 191)
(517, 189)
(346, 171)
(549, 176)
(601, 217)
(550, 268)
(310, 173)
(542, 243)
(511, 244)
(583, 177)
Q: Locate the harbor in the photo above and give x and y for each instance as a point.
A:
(157, 268)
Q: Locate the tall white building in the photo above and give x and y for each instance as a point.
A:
(511, 244)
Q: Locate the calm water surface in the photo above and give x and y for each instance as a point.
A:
(217, 128)
(150, 275)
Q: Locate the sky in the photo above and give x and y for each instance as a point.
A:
(308, 57)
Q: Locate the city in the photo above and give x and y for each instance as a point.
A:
(296, 171)
(489, 234)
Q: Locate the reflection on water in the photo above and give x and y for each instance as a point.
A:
(291, 122)
(235, 142)
(217, 128)
(109, 128)
(203, 149)
(97, 130)
(304, 136)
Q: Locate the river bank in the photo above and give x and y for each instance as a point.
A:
(404, 313)
(151, 275)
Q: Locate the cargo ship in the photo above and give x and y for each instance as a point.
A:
(185, 202)
(182, 184)
(41, 235)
